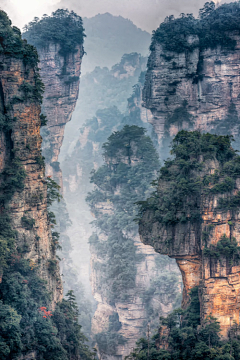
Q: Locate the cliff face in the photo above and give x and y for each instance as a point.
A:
(192, 82)
(144, 302)
(131, 284)
(202, 222)
(60, 97)
(193, 89)
(22, 143)
(30, 283)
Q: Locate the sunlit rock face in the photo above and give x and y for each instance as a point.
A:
(60, 97)
(195, 86)
(216, 276)
(28, 208)
(206, 81)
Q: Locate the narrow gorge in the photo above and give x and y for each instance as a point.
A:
(123, 224)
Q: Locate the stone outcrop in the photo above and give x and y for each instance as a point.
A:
(217, 276)
(28, 208)
(60, 97)
(137, 312)
(196, 87)
(206, 81)
(132, 285)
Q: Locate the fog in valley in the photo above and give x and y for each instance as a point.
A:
(118, 37)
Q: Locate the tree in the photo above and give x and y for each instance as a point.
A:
(208, 8)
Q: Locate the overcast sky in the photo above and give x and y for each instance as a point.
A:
(146, 14)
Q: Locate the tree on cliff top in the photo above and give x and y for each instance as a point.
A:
(11, 43)
(62, 27)
(209, 30)
(179, 201)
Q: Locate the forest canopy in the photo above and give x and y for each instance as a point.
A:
(63, 27)
(12, 44)
(210, 29)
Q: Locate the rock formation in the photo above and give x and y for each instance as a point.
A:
(20, 109)
(193, 88)
(103, 93)
(192, 82)
(194, 218)
(60, 67)
(33, 313)
(130, 283)
(60, 97)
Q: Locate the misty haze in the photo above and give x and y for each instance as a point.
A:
(119, 180)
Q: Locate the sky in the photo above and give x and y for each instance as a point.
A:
(146, 14)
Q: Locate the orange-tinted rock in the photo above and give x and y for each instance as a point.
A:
(24, 141)
(218, 278)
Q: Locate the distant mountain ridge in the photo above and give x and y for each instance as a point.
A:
(109, 37)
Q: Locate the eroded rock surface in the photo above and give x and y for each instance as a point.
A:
(28, 208)
(196, 224)
(61, 77)
(205, 81)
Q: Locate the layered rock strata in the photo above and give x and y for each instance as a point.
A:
(22, 143)
(60, 97)
(135, 314)
(204, 81)
(215, 272)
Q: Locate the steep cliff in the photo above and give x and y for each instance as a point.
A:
(35, 322)
(131, 285)
(193, 74)
(59, 41)
(21, 159)
(194, 217)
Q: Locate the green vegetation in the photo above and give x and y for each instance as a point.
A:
(101, 91)
(183, 182)
(25, 326)
(131, 162)
(27, 222)
(62, 27)
(11, 43)
(179, 116)
(187, 339)
(164, 286)
(62, 242)
(210, 30)
(108, 340)
(225, 248)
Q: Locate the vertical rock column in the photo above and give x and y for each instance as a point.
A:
(22, 143)
(61, 79)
